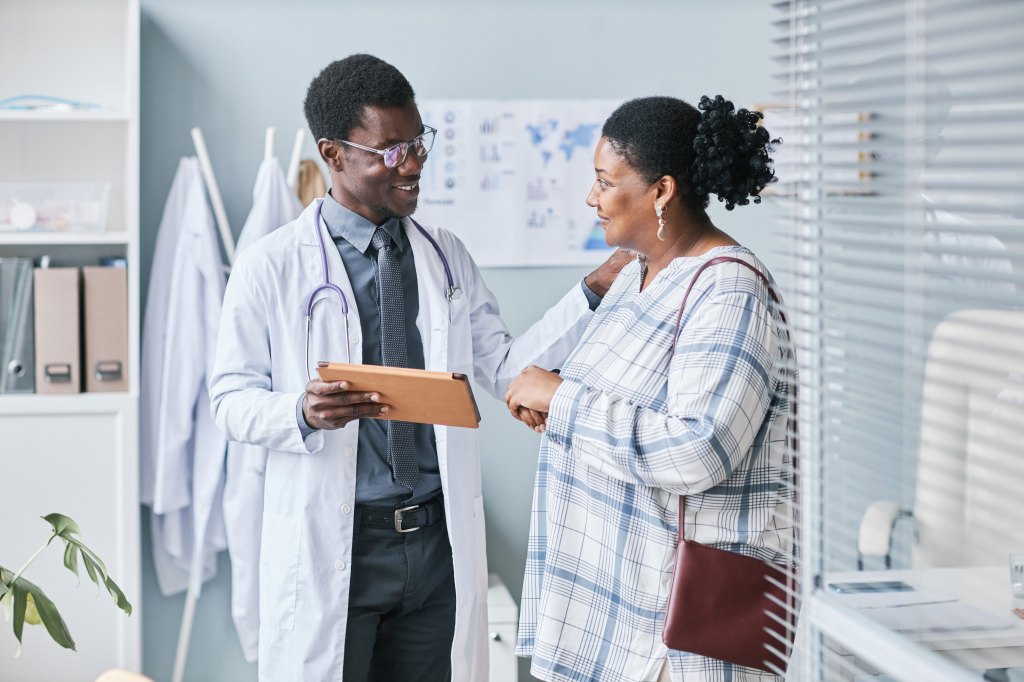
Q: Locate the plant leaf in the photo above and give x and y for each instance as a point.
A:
(71, 559)
(64, 526)
(119, 598)
(51, 618)
(89, 569)
(86, 552)
(7, 599)
(68, 531)
(20, 604)
(98, 575)
(5, 602)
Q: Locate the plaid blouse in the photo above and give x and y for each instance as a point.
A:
(629, 432)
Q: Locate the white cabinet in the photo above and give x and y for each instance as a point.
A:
(502, 616)
(74, 454)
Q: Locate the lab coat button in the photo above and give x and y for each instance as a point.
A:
(349, 451)
(354, 339)
(340, 565)
(345, 509)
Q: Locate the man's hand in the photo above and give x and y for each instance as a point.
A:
(332, 406)
(600, 280)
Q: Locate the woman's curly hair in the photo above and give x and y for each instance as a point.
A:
(716, 150)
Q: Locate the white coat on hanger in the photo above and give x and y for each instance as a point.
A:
(182, 451)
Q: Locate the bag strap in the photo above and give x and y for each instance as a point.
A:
(792, 427)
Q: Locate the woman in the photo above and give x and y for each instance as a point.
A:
(631, 423)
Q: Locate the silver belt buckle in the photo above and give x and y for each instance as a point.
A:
(398, 519)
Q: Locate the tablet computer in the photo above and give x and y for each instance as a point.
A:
(414, 395)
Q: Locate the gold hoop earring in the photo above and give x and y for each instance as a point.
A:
(661, 222)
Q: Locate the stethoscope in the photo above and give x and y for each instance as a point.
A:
(452, 293)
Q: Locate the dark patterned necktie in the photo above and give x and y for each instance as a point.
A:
(401, 447)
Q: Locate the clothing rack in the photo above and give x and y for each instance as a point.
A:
(292, 176)
(227, 239)
(268, 143)
(228, 242)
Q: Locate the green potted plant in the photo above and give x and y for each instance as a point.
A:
(27, 603)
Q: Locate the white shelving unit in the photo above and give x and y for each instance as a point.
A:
(74, 454)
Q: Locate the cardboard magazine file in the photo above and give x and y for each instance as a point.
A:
(58, 364)
(414, 395)
(106, 328)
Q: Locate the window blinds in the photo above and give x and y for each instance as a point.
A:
(902, 173)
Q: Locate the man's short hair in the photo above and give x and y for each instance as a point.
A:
(337, 97)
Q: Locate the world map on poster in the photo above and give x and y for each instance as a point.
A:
(548, 140)
(510, 178)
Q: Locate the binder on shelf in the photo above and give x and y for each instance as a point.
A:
(106, 328)
(58, 367)
(17, 333)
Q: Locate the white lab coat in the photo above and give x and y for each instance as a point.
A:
(260, 374)
(274, 203)
(182, 451)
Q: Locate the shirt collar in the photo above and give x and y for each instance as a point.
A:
(343, 223)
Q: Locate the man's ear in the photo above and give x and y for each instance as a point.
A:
(332, 154)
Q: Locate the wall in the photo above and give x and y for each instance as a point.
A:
(234, 68)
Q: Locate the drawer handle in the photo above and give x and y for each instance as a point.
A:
(495, 636)
(57, 373)
(108, 370)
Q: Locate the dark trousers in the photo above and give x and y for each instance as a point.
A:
(401, 609)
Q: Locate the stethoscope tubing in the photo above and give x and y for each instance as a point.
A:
(326, 285)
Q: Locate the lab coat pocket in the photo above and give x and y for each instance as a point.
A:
(279, 571)
(458, 310)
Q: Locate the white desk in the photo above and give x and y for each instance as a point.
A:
(987, 588)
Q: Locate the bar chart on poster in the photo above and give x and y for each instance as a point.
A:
(510, 178)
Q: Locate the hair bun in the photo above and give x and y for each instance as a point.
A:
(731, 153)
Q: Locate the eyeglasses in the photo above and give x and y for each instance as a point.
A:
(394, 156)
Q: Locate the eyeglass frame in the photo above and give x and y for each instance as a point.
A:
(408, 146)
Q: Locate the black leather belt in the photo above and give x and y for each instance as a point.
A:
(402, 519)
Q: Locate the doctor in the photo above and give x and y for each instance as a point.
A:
(372, 562)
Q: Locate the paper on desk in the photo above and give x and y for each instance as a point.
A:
(936, 617)
(877, 600)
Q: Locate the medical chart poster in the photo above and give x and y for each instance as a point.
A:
(510, 178)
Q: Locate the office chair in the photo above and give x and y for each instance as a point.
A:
(971, 458)
(122, 676)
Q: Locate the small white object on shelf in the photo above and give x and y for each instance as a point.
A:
(23, 216)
